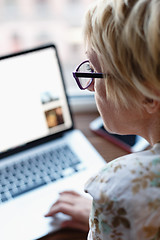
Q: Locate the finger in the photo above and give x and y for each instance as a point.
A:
(63, 199)
(69, 192)
(67, 198)
(61, 207)
(75, 225)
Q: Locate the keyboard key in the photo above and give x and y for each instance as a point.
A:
(25, 190)
(68, 172)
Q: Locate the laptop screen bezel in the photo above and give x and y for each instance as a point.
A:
(51, 136)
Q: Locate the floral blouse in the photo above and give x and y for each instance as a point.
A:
(126, 198)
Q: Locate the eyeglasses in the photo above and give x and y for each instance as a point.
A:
(84, 75)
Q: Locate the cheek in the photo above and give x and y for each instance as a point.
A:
(105, 111)
(100, 96)
(99, 102)
(105, 107)
(91, 87)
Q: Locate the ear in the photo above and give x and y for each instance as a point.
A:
(151, 106)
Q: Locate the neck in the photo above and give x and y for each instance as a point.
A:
(151, 130)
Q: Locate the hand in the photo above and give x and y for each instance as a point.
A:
(74, 205)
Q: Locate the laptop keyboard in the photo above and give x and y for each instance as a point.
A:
(39, 170)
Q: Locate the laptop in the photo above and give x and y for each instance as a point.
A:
(41, 153)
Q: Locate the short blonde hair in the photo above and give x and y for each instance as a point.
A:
(125, 35)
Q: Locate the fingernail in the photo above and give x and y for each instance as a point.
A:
(46, 215)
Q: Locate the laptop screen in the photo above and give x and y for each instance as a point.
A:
(33, 102)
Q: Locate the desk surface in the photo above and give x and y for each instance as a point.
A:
(108, 152)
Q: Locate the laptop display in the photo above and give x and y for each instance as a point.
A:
(33, 103)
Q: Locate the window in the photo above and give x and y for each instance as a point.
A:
(26, 24)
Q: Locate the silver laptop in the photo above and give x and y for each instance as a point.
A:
(41, 154)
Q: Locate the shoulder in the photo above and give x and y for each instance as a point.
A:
(126, 174)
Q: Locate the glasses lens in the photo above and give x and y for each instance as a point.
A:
(85, 68)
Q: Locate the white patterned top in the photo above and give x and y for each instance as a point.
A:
(126, 198)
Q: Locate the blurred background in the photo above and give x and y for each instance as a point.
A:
(30, 23)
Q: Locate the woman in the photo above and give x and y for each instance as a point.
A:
(122, 40)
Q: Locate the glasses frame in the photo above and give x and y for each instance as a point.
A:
(91, 75)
